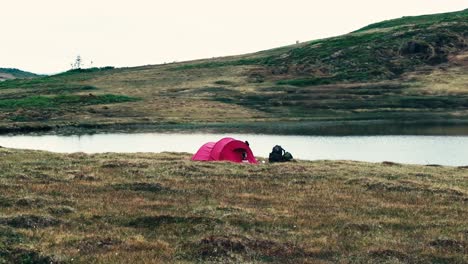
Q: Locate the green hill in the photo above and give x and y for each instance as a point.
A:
(412, 69)
(11, 73)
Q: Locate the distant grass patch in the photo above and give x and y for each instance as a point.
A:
(73, 89)
(54, 101)
(9, 236)
(59, 90)
(18, 73)
(142, 186)
(420, 20)
(88, 70)
(29, 221)
(223, 82)
(44, 84)
(162, 220)
(215, 64)
(305, 82)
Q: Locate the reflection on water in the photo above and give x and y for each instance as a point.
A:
(444, 150)
(343, 128)
(397, 128)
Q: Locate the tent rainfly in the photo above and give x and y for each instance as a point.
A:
(228, 149)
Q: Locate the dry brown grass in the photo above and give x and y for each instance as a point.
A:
(173, 95)
(150, 208)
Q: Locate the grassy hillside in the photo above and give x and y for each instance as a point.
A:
(9, 74)
(412, 69)
(147, 208)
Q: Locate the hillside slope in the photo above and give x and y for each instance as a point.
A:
(413, 69)
(10, 74)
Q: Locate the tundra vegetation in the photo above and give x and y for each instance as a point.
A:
(412, 69)
(142, 208)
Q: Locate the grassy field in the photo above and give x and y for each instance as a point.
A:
(150, 208)
(409, 69)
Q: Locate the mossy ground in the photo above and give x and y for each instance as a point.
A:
(150, 208)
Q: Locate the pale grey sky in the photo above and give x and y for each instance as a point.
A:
(45, 36)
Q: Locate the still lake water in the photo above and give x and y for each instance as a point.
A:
(443, 150)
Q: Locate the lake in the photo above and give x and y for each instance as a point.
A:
(443, 150)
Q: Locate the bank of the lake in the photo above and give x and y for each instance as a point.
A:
(438, 127)
(423, 150)
(143, 207)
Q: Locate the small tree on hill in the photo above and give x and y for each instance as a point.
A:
(77, 63)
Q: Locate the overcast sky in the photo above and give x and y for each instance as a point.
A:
(45, 36)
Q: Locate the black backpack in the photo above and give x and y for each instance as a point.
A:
(287, 156)
(276, 154)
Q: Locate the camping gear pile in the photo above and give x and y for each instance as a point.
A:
(230, 149)
(278, 154)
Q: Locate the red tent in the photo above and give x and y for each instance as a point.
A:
(225, 149)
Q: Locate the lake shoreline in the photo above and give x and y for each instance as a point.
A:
(423, 150)
(302, 127)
